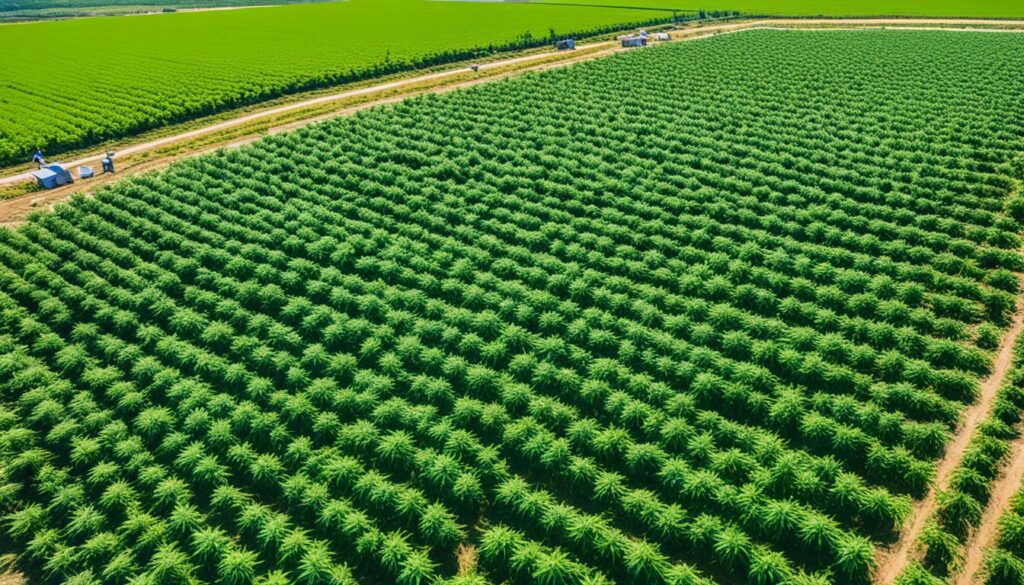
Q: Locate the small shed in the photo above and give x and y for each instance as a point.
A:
(52, 176)
(633, 41)
(565, 44)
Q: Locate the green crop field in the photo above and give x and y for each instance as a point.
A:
(146, 71)
(13, 11)
(1005, 561)
(946, 8)
(53, 5)
(703, 313)
(921, 8)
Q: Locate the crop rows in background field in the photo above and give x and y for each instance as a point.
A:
(852, 8)
(164, 68)
(1005, 561)
(702, 313)
(49, 6)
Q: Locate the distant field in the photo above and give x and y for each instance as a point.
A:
(21, 10)
(27, 10)
(152, 70)
(12, 5)
(937, 8)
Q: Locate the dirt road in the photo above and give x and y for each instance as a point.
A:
(892, 562)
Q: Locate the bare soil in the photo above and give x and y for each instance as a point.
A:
(466, 558)
(8, 576)
(893, 561)
(16, 210)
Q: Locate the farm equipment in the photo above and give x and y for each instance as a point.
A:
(52, 176)
(108, 162)
(566, 45)
(85, 172)
(633, 41)
(637, 40)
(662, 36)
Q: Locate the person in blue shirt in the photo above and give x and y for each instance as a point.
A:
(38, 158)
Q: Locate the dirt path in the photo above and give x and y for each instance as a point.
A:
(893, 561)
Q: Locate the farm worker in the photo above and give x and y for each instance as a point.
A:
(108, 162)
(38, 158)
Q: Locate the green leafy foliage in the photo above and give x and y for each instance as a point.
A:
(707, 309)
(1005, 562)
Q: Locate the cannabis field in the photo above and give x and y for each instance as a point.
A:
(705, 313)
(147, 72)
